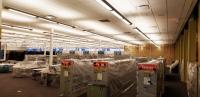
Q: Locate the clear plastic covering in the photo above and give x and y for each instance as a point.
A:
(24, 69)
(199, 80)
(74, 79)
(122, 75)
(150, 78)
(192, 79)
(89, 56)
(118, 76)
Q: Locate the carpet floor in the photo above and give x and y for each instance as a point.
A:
(24, 87)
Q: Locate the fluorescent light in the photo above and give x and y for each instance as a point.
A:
(104, 4)
(137, 30)
(155, 44)
(19, 32)
(46, 20)
(50, 17)
(65, 25)
(16, 17)
(17, 27)
(141, 33)
(48, 6)
(23, 13)
(116, 14)
(125, 21)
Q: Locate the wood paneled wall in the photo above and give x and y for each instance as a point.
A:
(149, 50)
(186, 46)
(166, 51)
(131, 50)
(198, 28)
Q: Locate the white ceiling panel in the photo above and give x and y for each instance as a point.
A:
(124, 37)
(99, 27)
(160, 20)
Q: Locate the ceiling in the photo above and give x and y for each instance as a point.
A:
(160, 20)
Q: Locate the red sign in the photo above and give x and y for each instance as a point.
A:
(66, 63)
(147, 66)
(100, 64)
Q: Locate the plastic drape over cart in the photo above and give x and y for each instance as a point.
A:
(75, 75)
(150, 79)
(112, 78)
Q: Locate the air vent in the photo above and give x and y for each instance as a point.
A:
(104, 20)
(88, 30)
(45, 32)
(144, 7)
(127, 32)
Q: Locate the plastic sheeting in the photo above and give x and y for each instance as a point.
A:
(74, 79)
(24, 69)
(192, 79)
(150, 79)
(89, 56)
(199, 81)
(122, 75)
(118, 77)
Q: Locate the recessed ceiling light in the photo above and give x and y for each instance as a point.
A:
(50, 17)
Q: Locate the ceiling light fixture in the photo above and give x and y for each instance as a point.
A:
(66, 25)
(116, 14)
(113, 11)
(20, 12)
(141, 33)
(121, 17)
(125, 21)
(18, 27)
(48, 20)
(103, 3)
(50, 17)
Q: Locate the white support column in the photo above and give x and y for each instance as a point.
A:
(51, 48)
(5, 49)
(45, 48)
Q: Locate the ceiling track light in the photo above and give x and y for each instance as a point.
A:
(116, 14)
(35, 16)
(50, 17)
(20, 12)
(47, 20)
(105, 4)
(18, 27)
(141, 33)
(126, 21)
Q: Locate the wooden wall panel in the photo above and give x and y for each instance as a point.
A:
(131, 50)
(192, 40)
(149, 50)
(166, 51)
(198, 28)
